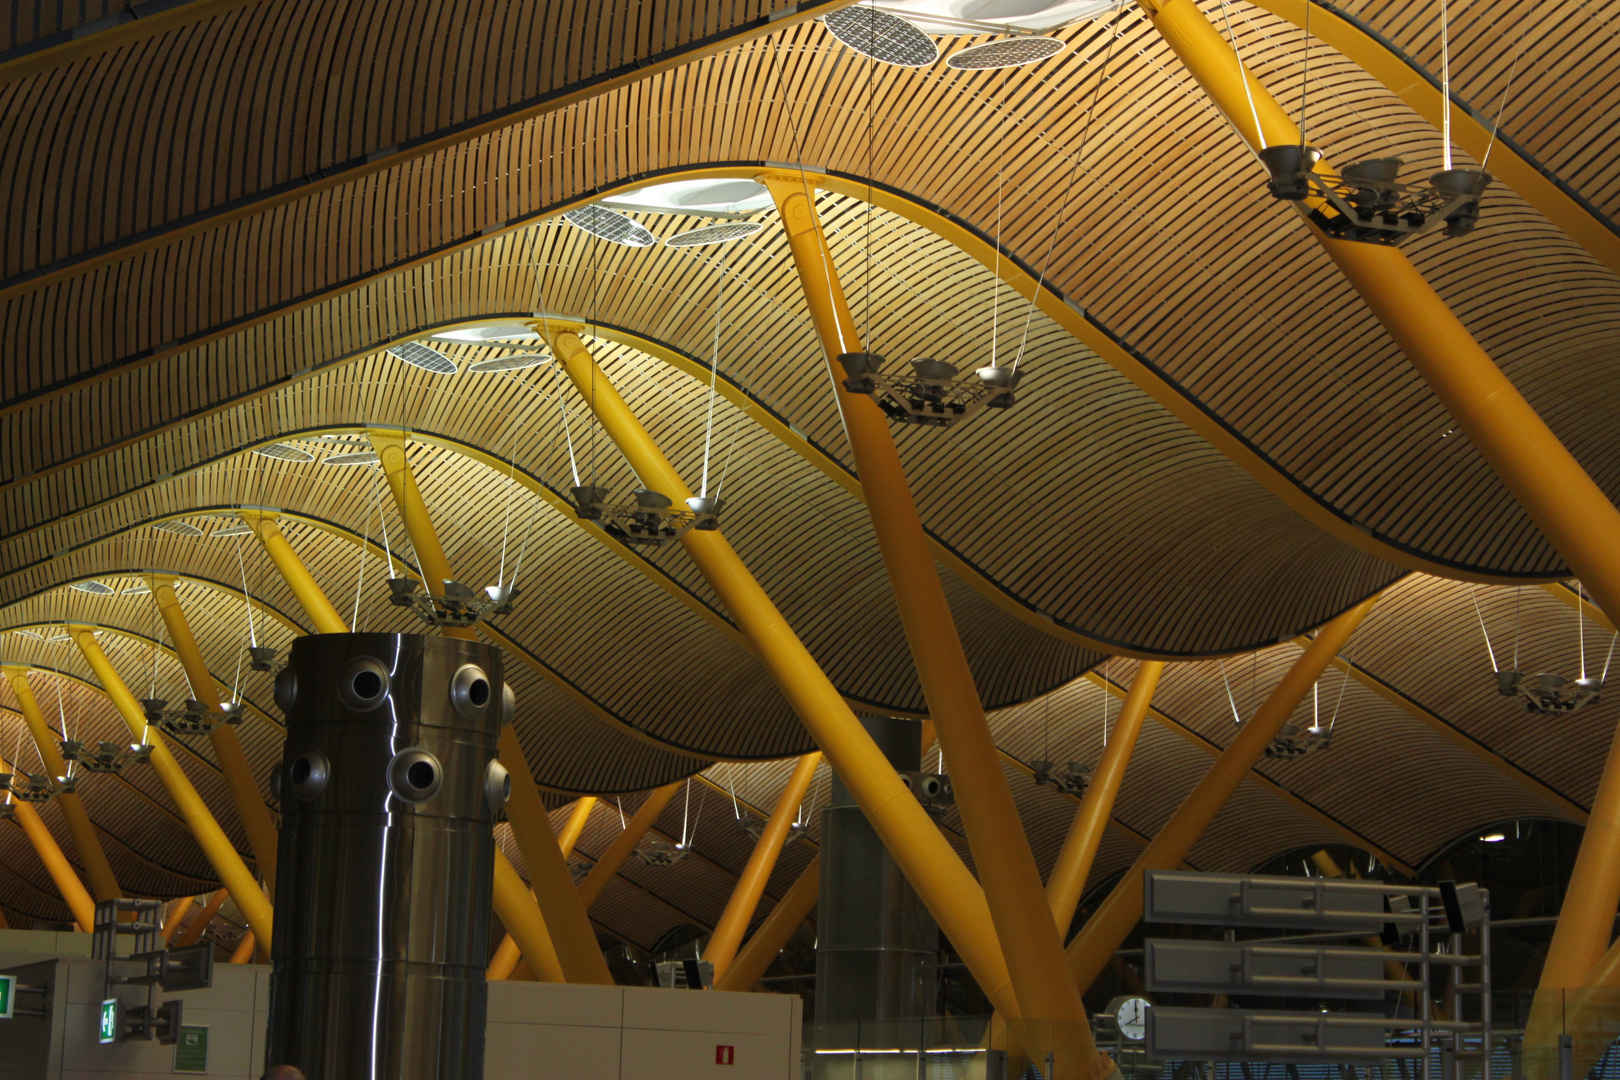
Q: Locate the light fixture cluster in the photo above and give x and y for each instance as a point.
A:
(932, 393)
(106, 757)
(651, 517)
(1294, 742)
(1366, 202)
(191, 717)
(891, 39)
(1547, 693)
(1071, 778)
(456, 605)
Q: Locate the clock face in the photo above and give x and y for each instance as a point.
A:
(1132, 1018)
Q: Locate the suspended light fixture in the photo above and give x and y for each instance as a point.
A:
(1072, 778)
(178, 528)
(656, 851)
(610, 225)
(931, 393)
(418, 355)
(1292, 741)
(508, 363)
(94, 588)
(456, 605)
(723, 233)
(1546, 692)
(885, 38)
(1012, 52)
(191, 717)
(106, 757)
(651, 518)
(284, 452)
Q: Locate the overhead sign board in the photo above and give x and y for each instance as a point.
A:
(1234, 900)
(1180, 966)
(1244, 1035)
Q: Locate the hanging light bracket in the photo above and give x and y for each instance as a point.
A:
(1072, 778)
(1547, 693)
(650, 519)
(457, 605)
(106, 757)
(1367, 203)
(933, 393)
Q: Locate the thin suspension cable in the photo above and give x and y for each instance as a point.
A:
(365, 542)
(382, 516)
(714, 372)
(1068, 191)
(247, 601)
(569, 437)
(1001, 172)
(1305, 77)
(1236, 716)
(1487, 634)
(1607, 659)
(1518, 602)
(1501, 106)
(1345, 682)
(1243, 76)
(1445, 81)
(1580, 623)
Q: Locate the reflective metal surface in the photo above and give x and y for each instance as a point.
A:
(386, 856)
(876, 945)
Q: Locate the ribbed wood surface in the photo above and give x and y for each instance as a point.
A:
(25, 23)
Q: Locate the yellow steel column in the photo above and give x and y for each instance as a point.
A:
(390, 447)
(233, 762)
(728, 932)
(245, 949)
(566, 921)
(293, 571)
(193, 933)
(216, 847)
(517, 910)
(97, 870)
(1073, 864)
(1552, 487)
(590, 890)
(506, 957)
(786, 917)
(1109, 924)
(1007, 870)
(56, 864)
(925, 857)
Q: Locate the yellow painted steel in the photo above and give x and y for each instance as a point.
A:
(1047, 997)
(925, 857)
(97, 870)
(590, 890)
(560, 906)
(293, 571)
(1073, 866)
(507, 954)
(216, 847)
(786, 917)
(522, 917)
(1108, 926)
(1546, 480)
(733, 922)
(193, 933)
(56, 864)
(245, 949)
(233, 762)
(390, 447)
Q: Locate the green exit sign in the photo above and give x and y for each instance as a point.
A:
(109, 1020)
(8, 995)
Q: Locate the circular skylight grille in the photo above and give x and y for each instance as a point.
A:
(241, 528)
(284, 452)
(508, 363)
(416, 354)
(610, 225)
(1004, 54)
(359, 457)
(723, 233)
(178, 528)
(94, 588)
(884, 37)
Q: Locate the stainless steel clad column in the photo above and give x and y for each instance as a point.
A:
(877, 948)
(389, 788)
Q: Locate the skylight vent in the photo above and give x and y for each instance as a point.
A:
(886, 38)
(508, 363)
(284, 452)
(610, 225)
(714, 234)
(178, 528)
(1013, 52)
(418, 355)
(94, 588)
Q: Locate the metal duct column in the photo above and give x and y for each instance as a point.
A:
(877, 948)
(389, 787)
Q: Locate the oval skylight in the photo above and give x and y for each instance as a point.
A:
(610, 225)
(178, 528)
(723, 233)
(283, 452)
(733, 195)
(508, 363)
(886, 38)
(950, 17)
(419, 355)
(94, 588)
(358, 457)
(1009, 52)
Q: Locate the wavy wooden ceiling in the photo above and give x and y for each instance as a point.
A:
(212, 256)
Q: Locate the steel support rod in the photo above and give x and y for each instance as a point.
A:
(1573, 513)
(216, 846)
(57, 866)
(396, 465)
(925, 857)
(97, 870)
(233, 762)
(590, 890)
(1020, 913)
(1109, 925)
(506, 957)
(560, 906)
(1073, 866)
(293, 571)
(786, 917)
(733, 923)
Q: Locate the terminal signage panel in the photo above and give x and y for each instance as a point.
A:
(1179, 966)
(1244, 1035)
(108, 1032)
(8, 995)
(1233, 900)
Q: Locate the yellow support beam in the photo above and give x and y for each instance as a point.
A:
(1018, 907)
(233, 762)
(56, 864)
(786, 917)
(1573, 513)
(560, 906)
(396, 465)
(506, 957)
(930, 864)
(518, 911)
(1109, 925)
(590, 890)
(293, 571)
(216, 846)
(97, 870)
(1073, 866)
(728, 932)
(193, 933)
